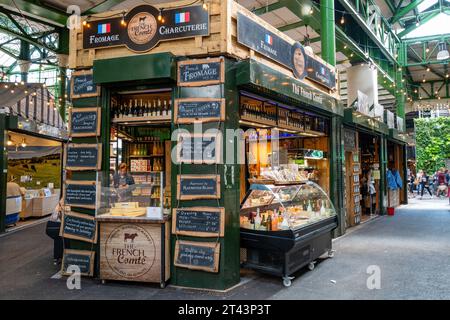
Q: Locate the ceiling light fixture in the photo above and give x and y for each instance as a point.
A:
(23, 144)
(443, 53)
(10, 142)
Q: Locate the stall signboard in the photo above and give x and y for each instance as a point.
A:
(260, 39)
(197, 255)
(143, 30)
(82, 85)
(350, 140)
(199, 221)
(192, 110)
(84, 122)
(83, 156)
(201, 72)
(74, 260)
(80, 194)
(199, 148)
(192, 187)
(79, 226)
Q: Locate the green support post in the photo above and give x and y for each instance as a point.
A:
(383, 170)
(62, 92)
(328, 39)
(3, 172)
(24, 56)
(336, 177)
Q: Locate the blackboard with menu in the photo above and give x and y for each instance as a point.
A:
(192, 187)
(82, 85)
(197, 255)
(83, 156)
(202, 72)
(199, 221)
(80, 194)
(78, 260)
(84, 122)
(192, 110)
(79, 226)
(198, 148)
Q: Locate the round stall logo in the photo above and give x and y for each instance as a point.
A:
(299, 60)
(142, 28)
(130, 251)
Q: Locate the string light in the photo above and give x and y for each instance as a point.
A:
(205, 5)
(122, 22)
(428, 69)
(342, 19)
(160, 16)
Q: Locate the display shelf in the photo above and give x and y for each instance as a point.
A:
(147, 156)
(143, 119)
(260, 121)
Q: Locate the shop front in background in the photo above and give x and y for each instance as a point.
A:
(395, 175)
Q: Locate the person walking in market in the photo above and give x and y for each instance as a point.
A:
(425, 184)
(441, 189)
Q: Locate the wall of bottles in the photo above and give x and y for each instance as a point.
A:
(142, 105)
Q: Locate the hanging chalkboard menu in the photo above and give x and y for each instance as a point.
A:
(350, 140)
(81, 260)
(197, 255)
(82, 84)
(192, 110)
(199, 221)
(80, 194)
(192, 187)
(202, 72)
(83, 156)
(198, 148)
(84, 122)
(79, 227)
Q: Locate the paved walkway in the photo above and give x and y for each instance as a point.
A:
(411, 250)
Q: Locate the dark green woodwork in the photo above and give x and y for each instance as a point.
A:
(366, 122)
(135, 68)
(25, 56)
(229, 267)
(336, 174)
(383, 170)
(3, 171)
(36, 8)
(250, 73)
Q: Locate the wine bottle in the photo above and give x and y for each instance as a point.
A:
(269, 222)
(154, 108)
(169, 109)
(257, 220)
(158, 113)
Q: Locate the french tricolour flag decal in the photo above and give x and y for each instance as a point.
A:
(182, 17)
(104, 28)
(269, 39)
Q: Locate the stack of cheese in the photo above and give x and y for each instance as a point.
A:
(127, 209)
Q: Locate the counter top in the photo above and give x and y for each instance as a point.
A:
(122, 219)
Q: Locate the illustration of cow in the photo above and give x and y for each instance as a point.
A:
(130, 236)
(205, 66)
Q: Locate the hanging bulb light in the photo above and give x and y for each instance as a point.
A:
(428, 69)
(122, 21)
(342, 19)
(417, 21)
(308, 42)
(443, 51)
(205, 5)
(23, 144)
(10, 142)
(160, 15)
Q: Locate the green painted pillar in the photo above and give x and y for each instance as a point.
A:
(336, 172)
(62, 92)
(24, 55)
(3, 171)
(383, 168)
(328, 38)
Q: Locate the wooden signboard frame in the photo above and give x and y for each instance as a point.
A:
(221, 60)
(84, 95)
(71, 236)
(193, 136)
(89, 134)
(90, 254)
(83, 183)
(220, 211)
(198, 176)
(215, 245)
(199, 120)
(98, 165)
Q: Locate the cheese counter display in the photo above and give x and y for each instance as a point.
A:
(286, 227)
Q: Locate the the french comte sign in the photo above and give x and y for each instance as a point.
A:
(143, 30)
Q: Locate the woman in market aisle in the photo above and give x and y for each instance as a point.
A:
(441, 189)
(122, 181)
(425, 184)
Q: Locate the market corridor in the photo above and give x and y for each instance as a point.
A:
(411, 250)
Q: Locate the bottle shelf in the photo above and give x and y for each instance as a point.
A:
(257, 120)
(148, 156)
(166, 118)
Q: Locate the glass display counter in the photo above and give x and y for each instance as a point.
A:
(286, 227)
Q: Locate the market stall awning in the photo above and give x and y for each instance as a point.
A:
(31, 101)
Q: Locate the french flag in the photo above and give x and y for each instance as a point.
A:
(269, 39)
(182, 17)
(104, 28)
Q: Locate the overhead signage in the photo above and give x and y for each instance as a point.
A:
(143, 30)
(258, 38)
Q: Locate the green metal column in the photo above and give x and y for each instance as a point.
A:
(401, 87)
(24, 56)
(336, 172)
(328, 38)
(3, 171)
(383, 168)
(62, 92)
(405, 174)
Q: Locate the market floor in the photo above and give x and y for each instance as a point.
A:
(411, 250)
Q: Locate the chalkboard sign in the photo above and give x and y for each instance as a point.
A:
(199, 221)
(350, 140)
(84, 122)
(84, 260)
(192, 187)
(82, 85)
(83, 156)
(80, 194)
(192, 110)
(198, 148)
(79, 227)
(203, 72)
(197, 255)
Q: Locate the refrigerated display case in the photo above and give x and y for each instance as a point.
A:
(286, 227)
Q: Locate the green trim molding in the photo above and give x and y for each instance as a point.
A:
(251, 73)
(396, 137)
(135, 68)
(368, 123)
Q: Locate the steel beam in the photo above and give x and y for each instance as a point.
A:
(404, 10)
